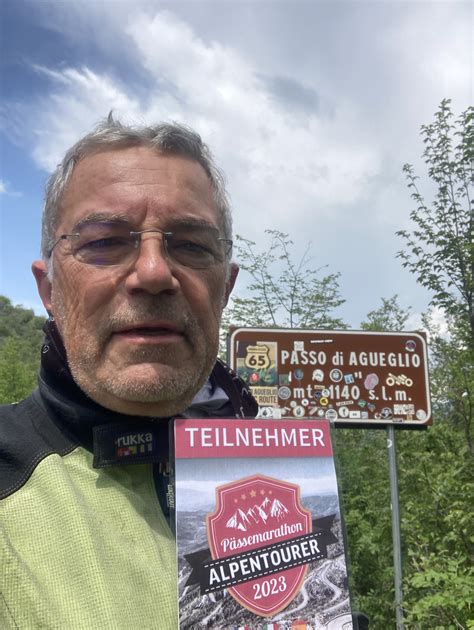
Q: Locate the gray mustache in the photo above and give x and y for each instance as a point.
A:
(129, 316)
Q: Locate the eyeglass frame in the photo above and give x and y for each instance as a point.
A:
(137, 242)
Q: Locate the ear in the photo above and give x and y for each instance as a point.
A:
(43, 283)
(233, 273)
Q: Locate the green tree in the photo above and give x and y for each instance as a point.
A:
(17, 377)
(284, 291)
(439, 251)
(388, 317)
(437, 484)
(15, 320)
(21, 335)
(437, 493)
(436, 496)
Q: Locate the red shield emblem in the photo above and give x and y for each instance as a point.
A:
(253, 518)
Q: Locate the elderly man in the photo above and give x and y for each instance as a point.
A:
(135, 273)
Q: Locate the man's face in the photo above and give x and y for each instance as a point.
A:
(140, 338)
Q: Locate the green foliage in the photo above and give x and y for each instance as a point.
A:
(452, 377)
(437, 480)
(390, 316)
(440, 250)
(285, 291)
(20, 342)
(17, 378)
(20, 322)
(361, 462)
(437, 494)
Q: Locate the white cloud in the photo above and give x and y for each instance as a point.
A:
(414, 322)
(326, 168)
(287, 165)
(439, 321)
(7, 191)
(437, 318)
(79, 98)
(443, 65)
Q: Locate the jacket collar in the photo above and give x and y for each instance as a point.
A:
(225, 395)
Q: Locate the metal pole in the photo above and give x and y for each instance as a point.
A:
(397, 549)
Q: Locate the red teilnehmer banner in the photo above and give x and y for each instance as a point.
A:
(252, 438)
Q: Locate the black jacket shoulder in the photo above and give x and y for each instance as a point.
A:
(27, 436)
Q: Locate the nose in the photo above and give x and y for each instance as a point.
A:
(152, 271)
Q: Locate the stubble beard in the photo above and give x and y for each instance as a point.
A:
(171, 382)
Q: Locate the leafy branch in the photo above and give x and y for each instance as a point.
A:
(440, 251)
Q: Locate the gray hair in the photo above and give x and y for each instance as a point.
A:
(171, 138)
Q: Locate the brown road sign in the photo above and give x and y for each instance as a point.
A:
(343, 376)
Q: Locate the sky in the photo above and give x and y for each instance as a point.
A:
(311, 109)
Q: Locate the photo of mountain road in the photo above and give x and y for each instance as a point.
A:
(323, 599)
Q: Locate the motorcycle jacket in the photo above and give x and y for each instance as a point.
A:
(85, 504)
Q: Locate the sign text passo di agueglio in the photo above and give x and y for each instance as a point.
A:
(347, 377)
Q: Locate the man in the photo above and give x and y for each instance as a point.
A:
(134, 275)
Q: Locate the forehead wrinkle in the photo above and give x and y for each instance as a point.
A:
(103, 217)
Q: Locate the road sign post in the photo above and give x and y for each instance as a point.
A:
(396, 538)
(351, 378)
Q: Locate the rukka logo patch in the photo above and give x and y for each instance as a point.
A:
(134, 444)
(120, 443)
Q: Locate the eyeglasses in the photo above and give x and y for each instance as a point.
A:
(108, 243)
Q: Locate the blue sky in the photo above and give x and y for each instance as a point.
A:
(311, 109)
